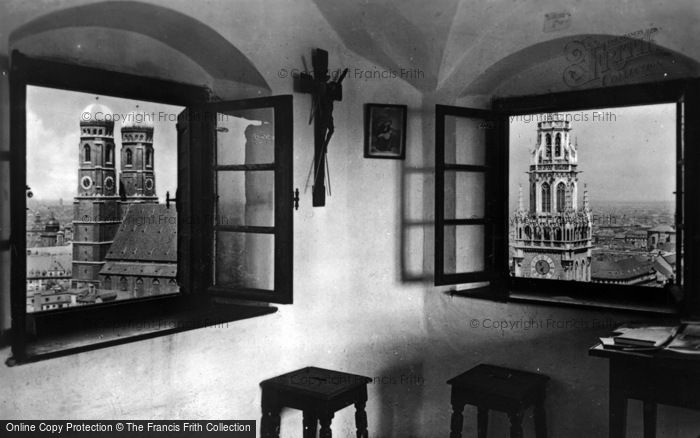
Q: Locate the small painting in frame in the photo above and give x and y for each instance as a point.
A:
(385, 131)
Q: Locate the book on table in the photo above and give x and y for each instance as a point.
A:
(644, 336)
(688, 341)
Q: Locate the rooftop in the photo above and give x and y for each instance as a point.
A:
(148, 233)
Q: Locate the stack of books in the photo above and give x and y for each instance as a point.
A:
(640, 336)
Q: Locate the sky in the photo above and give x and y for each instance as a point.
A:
(625, 154)
(53, 137)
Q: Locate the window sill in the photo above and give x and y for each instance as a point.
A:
(591, 303)
(108, 333)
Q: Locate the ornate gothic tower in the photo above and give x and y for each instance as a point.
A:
(553, 238)
(137, 180)
(95, 208)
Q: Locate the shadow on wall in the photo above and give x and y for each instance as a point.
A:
(583, 62)
(417, 204)
(138, 38)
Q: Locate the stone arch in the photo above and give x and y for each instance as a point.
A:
(505, 76)
(160, 42)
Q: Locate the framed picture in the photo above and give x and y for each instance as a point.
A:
(385, 131)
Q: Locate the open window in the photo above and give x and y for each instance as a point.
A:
(146, 259)
(468, 216)
(566, 232)
(241, 194)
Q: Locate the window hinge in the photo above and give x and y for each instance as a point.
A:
(295, 198)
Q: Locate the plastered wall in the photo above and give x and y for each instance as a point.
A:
(355, 308)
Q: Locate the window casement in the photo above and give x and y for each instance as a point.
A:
(87, 156)
(243, 190)
(234, 202)
(129, 158)
(472, 202)
(468, 213)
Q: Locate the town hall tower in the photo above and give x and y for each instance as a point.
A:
(553, 238)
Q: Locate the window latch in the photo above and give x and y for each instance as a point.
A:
(168, 199)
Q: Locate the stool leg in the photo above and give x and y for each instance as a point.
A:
(457, 421)
(326, 426)
(516, 424)
(310, 424)
(361, 420)
(270, 421)
(649, 419)
(540, 420)
(482, 422)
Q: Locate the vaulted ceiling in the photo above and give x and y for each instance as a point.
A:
(475, 47)
(456, 47)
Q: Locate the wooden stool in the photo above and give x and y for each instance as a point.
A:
(501, 389)
(319, 393)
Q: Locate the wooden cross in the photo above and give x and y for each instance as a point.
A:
(324, 92)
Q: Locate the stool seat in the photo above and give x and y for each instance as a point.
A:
(490, 387)
(319, 393)
(500, 388)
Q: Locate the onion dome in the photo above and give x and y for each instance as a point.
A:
(96, 113)
(138, 120)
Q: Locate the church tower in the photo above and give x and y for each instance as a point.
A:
(95, 208)
(552, 239)
(137, 180)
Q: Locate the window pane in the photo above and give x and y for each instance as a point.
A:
(465, 194)
(98, 229)
(246, 198)
(464, 249)
(244, 260)
(592, 196)
(465, 140)
(245, 137)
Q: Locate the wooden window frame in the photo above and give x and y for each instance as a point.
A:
(282, 230)
(493, 215)
(686, 95)
(44, 335)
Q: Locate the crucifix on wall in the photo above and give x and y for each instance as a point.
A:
(324, 92)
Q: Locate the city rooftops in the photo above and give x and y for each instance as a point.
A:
(623, 269)
(663, 228)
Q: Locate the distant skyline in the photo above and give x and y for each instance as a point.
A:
(53, 136)
(625, 155)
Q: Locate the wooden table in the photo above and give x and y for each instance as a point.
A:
(654, 377)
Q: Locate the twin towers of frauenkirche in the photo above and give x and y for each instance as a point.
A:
(102, 199)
